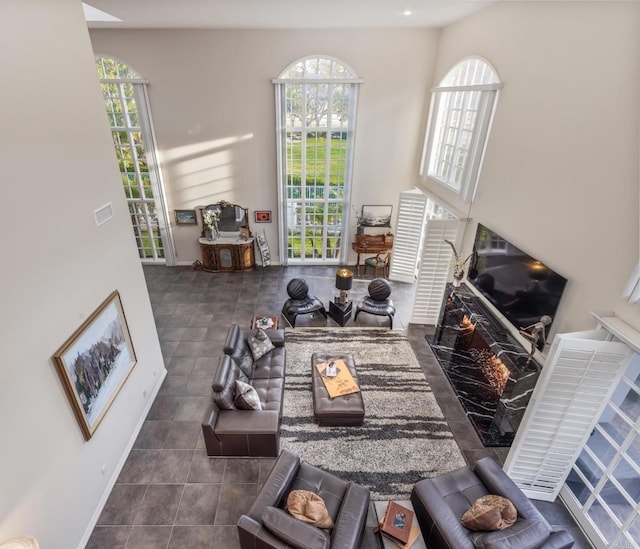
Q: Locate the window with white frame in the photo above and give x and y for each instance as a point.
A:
(316, 100)
(462, 108)
(127, 106)
(603, 487)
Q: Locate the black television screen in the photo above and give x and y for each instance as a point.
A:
(522, 288)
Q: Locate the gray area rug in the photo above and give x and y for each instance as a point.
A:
(404, 437)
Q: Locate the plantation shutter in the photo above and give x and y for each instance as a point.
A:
(434, 269)
(579, 376)
(412, 209)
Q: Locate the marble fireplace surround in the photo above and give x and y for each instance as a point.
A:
(487, 367)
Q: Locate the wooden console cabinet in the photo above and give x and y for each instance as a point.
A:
(227, 255)
(372, 245)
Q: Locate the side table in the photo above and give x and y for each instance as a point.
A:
(258, 322)
(340, 313)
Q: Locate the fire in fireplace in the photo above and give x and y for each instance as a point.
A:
(493, 369)
(488, 369)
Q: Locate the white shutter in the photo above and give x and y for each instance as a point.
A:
(408, 235)
(434, 270)
(576, 382)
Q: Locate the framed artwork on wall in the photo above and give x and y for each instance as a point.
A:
(376, 216)
(95, 361)
(186, 217)
(263, 216)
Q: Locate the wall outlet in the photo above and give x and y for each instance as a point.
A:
(144, 393)
(103, 469)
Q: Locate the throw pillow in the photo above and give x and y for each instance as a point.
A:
(309, 507)
(260, 344)
(488, 513)
(246, 397)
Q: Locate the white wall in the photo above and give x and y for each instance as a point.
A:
(58, 266)
(560, 178)
(213, 106)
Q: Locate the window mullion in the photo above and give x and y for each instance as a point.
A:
(132, 145)
(479, 140)
(303, 173)
(327, 169)
(449, 126)
(464, 111)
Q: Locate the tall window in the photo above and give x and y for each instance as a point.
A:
(126, 103)
(462, 107)
(316, 107)
(604, 483)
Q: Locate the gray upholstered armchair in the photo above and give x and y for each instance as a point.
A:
(267, 524)
(440, 502)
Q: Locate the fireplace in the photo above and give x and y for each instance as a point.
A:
(488, 369)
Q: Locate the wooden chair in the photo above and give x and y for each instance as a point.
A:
(379, 262)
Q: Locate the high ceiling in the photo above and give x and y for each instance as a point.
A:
(282, 14)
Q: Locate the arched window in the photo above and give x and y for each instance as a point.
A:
(462, 108)
(316, 108)
(127, 104)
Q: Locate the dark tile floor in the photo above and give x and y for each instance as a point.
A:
(169, 494)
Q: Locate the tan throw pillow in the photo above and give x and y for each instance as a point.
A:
(309, 507)
(490, 513)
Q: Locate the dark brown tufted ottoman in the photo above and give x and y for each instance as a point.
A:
(343, 410)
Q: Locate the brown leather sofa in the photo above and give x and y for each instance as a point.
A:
(229, 431)
(441, 501)
(267, 525)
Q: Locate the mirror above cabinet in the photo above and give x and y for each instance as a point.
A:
(232, 219)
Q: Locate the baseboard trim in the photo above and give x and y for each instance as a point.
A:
(189, 263)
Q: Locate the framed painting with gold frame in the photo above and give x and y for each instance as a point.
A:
(95, 362)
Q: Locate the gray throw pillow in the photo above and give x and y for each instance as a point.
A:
(246, 397)
(260, 344)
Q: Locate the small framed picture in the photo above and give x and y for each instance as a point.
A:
(263, 216)
(186, 217)
(376, 216)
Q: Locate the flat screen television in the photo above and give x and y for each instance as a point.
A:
(521, 287)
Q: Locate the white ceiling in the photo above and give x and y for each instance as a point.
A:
(292, 14)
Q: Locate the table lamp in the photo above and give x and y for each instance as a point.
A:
(344, 281)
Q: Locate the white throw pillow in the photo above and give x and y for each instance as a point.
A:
(246, 397)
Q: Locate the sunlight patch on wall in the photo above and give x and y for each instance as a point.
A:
(196, 149)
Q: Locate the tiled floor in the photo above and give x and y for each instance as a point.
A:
(169, 493)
